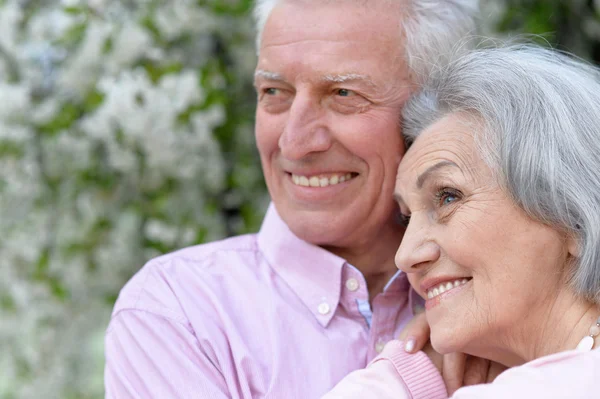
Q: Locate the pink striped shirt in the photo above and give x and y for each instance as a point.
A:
(397, 375)
(256, 316)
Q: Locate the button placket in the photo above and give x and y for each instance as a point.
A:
(352, 284)
(323, 308)
(379, 346)
(381, 329)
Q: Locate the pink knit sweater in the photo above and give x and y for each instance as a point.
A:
(398, 375)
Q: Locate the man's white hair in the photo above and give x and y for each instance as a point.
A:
(431, 28)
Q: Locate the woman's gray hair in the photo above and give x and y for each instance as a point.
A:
(540, 111)
(431, 28)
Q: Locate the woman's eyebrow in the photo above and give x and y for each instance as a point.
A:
(432, 169)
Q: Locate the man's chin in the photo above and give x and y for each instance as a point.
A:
(320, 235)
(318, 228)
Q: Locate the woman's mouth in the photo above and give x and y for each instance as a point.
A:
(445, 287)
(442, 291)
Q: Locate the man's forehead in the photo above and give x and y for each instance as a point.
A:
(373, 21)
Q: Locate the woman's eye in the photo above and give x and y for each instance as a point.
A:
(403, 219)
(447, 197)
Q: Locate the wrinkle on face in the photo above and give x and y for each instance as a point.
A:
(292, 39)
(516, 263)
(454, 146)
(309, 52)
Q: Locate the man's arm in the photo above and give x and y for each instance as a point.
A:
(154, 356)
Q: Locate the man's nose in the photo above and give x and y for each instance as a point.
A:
(306, 130)
(417, 249)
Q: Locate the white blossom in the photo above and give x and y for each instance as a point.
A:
(129, 44)
(81, 71)
(175, 18)
(10, 17)
(108, 157)
(14, 100)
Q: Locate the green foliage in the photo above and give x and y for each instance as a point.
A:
(568, 25)
(135, 137)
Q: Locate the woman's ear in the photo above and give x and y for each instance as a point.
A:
(573, 246)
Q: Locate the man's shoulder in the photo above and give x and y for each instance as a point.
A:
(163, 284)
(201, 255)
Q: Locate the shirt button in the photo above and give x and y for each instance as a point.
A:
(352, 284)
(379, 346)
(324, 308)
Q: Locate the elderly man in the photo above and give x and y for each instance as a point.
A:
(290, 311)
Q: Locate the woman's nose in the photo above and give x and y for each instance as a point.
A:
(417, 248)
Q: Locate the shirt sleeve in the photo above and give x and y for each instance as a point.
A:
(394, 374)
(152, 356)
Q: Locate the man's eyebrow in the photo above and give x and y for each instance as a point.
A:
(440, 165)
(259, 73)
(336, 78)
(349, 77)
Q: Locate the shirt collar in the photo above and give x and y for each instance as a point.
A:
(313, 273)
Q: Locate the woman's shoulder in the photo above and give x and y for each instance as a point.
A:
(565, 359)
(570, 374)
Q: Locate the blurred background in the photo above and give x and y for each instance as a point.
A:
(126, 131)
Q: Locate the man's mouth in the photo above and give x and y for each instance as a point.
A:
(445, 287)
(322, 180)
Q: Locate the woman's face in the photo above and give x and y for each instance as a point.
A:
(485, 267)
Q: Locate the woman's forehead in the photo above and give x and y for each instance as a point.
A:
(448, 139)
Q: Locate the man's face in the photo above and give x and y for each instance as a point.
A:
(331, 81)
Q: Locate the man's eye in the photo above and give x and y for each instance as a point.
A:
(271, 91)
(344, 92)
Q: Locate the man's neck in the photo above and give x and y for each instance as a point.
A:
(375, 257)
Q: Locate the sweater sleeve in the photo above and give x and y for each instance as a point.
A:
(394, 374)
(570, 374)
(397, 374)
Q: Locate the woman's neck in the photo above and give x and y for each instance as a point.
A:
(559, 328)
(564, 331)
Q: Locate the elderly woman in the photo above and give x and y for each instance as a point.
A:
(500, 191)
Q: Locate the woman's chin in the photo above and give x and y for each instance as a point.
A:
(444, 344)
(442, 349)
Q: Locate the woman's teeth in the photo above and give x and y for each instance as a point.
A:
(443, 287)
(321, 181)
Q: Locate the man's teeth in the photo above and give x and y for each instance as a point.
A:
(443, 287)
(320, 181)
